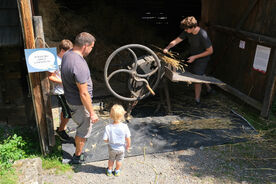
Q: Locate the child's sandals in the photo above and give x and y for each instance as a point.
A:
(117, 172)
(109, 172)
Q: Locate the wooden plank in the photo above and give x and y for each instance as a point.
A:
(176, 76)
(45, 84)
(252, 4)
(24, 8)
(254, 103)
(12, 75)
(270, 87)
(10, 55)
(13, 115)
(262, 39)
(167, 94)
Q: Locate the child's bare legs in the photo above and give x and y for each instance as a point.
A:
(63, 122)
(110, 165)
(118, 165)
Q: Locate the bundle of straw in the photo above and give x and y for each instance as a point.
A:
(173, 62)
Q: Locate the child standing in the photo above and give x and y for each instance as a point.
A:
(117, 135)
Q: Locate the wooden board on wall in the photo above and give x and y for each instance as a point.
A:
(234, 65)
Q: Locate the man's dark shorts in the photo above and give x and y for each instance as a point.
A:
(64, 106)
(198, 67)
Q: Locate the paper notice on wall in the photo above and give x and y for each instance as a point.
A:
(261, 58)
(242, 44)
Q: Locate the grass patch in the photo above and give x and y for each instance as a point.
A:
(54, 160)
(19, 143)
(55, 163)
(250, 161)
(9, 177)
(252, 115)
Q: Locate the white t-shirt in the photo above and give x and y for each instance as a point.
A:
(116, 135)
(57, 88)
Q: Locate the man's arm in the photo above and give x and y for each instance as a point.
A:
(53, 77)
(207, 52)
(86, 101)
(172, 44)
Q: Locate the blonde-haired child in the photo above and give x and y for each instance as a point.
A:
(117, 135)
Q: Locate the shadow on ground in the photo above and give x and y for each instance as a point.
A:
(89, 169)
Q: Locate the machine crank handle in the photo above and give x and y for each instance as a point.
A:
(151, 91)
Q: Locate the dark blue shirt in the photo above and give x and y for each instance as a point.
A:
(198, 43)
(74, 69)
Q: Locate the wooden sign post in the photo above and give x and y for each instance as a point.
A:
(45, 83)
(40, 109)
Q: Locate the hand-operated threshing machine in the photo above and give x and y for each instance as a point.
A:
(139, 69)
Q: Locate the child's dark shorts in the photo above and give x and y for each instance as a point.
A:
(115, 155)
(64, 106)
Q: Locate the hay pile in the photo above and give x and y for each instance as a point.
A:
(208, 123)
(112, 27)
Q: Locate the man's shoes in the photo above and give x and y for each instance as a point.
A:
(63, 136)
(77, 159)
(197, 102)
(210, 92)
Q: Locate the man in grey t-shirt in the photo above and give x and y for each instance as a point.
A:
(78, 90)
(200, 50)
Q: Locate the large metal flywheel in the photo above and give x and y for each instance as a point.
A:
(143, 71)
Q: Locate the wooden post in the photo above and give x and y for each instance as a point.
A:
(45, 84)
(270, 86)
(24, 8)
(167, 94)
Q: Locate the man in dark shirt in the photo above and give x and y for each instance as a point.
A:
(78, 90)
(200, 50)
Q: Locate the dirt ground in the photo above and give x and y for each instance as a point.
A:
(192, 166)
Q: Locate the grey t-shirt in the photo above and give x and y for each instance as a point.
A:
(198, 43)
(74, 69)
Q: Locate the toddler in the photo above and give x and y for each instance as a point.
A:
(117, 135)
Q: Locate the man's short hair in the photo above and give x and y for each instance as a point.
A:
(117, 112)
(83, 39)
(65, 45)
(188, 22)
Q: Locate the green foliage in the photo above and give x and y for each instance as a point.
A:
(18, 143)
(10, 151)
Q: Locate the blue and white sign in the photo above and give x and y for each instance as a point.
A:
(42, 59)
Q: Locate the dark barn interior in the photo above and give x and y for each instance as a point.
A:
(118, 22)
(229, 136)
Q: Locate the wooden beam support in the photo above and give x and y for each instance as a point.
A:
(252, 4)
(254, 103)
(45, 84)
(25, 14)
(261, 39)
(270, 87)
